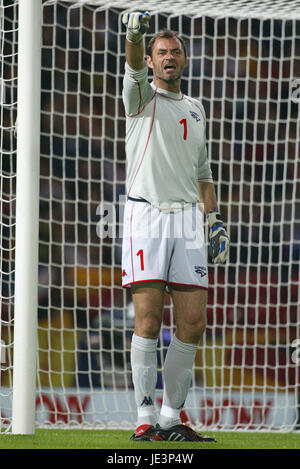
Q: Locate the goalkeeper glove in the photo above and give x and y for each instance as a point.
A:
(136, 24)
(218, 238)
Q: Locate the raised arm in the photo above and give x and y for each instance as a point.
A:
(135, 54)
(136, 87)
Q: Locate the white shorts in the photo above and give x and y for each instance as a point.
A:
(160, 246)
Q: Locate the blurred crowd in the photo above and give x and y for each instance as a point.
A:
(242, 71)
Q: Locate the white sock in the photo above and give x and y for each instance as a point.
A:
(177, 380)
(144, 377)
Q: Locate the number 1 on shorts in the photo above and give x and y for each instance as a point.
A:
(141, 254)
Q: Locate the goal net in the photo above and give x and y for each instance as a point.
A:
(244, 65)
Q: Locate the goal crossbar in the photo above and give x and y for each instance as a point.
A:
(243, 9)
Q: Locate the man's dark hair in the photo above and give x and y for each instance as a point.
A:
(166, 34)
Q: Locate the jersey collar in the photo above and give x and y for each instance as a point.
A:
(169, 94)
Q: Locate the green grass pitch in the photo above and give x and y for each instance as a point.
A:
(120, 439)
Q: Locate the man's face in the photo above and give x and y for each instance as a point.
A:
(168, 59)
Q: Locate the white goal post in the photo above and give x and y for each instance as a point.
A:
(65, 321)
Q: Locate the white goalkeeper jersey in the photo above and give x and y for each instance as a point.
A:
(165, 143)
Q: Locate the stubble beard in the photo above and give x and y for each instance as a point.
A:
(169, 80)
(160, 76)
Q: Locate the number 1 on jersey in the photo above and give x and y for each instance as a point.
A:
(183, 121)
(141, 254)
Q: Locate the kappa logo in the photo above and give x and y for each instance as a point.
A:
(195, 116)
(200, 270)
(147, 401)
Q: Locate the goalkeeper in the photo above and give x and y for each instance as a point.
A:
(170, 191)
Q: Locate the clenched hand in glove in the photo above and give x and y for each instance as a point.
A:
(218, 238)
(137, 24)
